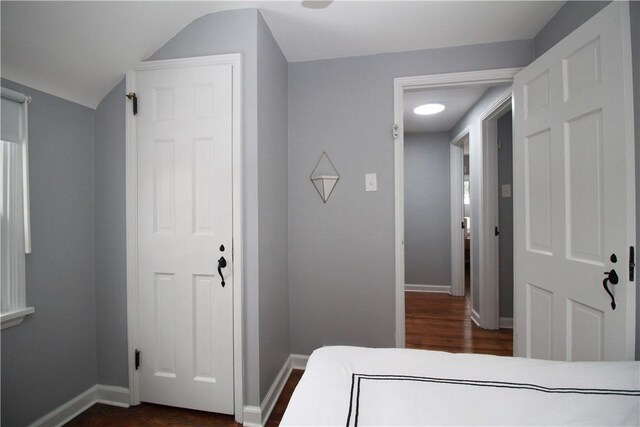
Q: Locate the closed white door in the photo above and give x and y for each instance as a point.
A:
(184, 134)
(574, 196)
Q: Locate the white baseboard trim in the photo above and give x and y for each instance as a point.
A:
(257, 416)
(299, 361)
(252, 416)
(109, 395)
(440, 289)
(506, 323)
(475, 317)
(68, 410)
(112, 395)
(273, 394)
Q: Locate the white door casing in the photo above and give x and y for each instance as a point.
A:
(456, 183)
(488, 221)
(185, 196)
(497, 76)
(574, 195)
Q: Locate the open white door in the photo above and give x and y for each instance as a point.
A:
(184, 227)
(574, 195)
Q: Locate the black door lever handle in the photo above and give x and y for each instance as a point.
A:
(612, 277)
(222, 263)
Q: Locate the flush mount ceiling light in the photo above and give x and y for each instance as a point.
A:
(428, 109)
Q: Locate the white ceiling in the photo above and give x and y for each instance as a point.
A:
(79, 50)
(457, 101)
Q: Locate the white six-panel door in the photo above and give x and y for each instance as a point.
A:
(574, 195)
(184, 217)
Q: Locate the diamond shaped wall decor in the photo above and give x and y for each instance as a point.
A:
(324, 177)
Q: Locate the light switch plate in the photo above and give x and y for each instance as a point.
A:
(506, 190)
(370, 182)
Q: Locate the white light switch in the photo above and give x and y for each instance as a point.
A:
(506, 190)
(370, 182)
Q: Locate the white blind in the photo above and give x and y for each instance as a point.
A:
(11, 106)
(14, 109)
(12, 232)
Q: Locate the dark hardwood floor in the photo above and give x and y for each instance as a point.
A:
(148, 414)
(443, 322)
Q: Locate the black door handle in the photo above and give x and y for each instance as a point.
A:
(222, 263)
(612, 277)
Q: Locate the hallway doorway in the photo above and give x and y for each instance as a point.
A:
(446, 134)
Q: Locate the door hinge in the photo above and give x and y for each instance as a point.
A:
(137, 359)
(632, 262)
(396, 129)
(496, 232)
(132, 96)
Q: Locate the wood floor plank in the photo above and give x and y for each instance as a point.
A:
(443, 322)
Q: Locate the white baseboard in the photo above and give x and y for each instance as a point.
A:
(68, 410)
(257, 416)
(506, 323)
(110, 395)
(440, 289)
(299, 361)
(252, 416)
(475, 317)
(273, 394)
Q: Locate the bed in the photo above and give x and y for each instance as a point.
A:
(351, 386)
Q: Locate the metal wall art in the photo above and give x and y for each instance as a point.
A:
(324, 177)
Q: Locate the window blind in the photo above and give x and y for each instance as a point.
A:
(11, 105)
(15, 129)
(12, 248)
(15, 228)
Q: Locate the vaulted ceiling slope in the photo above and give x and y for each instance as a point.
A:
(79, 50)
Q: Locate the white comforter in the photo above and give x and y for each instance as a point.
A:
(361, 386)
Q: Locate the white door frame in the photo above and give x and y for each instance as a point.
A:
(456, 183)
(489, 277)
(497, 76)
(235, 61)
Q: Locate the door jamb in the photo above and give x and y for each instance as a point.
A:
(235, 60)
(489, 277)
(497, 76)
(456, 179)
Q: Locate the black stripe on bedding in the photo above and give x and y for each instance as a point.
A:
(353, 376)
(356, 380)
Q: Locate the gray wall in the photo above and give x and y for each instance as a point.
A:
(273, 193)
(470, 120)
(341, 254)
(110, 236)
(505, 214)
(571, 16)
(51, 357)
(427, 209)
